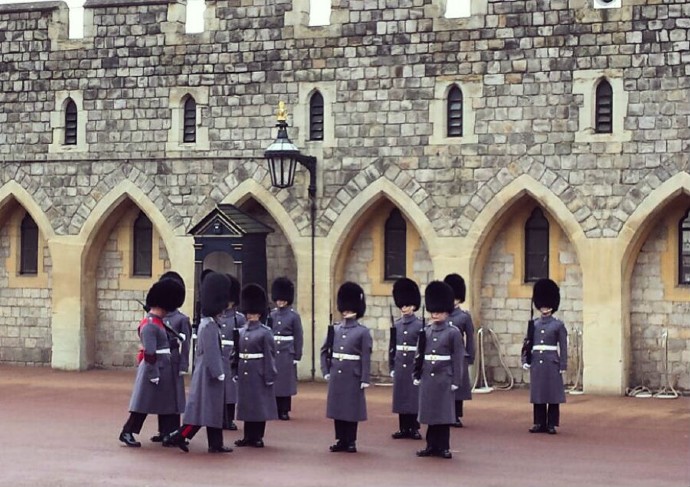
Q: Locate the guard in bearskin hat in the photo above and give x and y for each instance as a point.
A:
(230, 320)
(549, 359)
(404, 334)
(180, 341)
(205, 403)
(287, 332)
(462, 320)
(256, 370)
(442, 359)
(346, 365)
(154, 386)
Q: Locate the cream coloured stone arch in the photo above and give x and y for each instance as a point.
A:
(381, 188)
(250, 188)
(13, 190)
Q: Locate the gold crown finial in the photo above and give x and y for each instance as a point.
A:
(281, 115)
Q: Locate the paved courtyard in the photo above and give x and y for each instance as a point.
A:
(61, 428)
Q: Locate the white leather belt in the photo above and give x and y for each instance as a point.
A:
(251, 355)
(163, 351)
(227, 343)
(545, 347)
(345, 356)
(280, 338)
(405, 348)
(435, 358)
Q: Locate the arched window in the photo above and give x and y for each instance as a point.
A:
(454, 112)
(189, 128)
(536, 246)
(684, 249)
(28, 261)
(70, 122)
(395, 243)
(142, 246)
(603, 113)
(316, 117)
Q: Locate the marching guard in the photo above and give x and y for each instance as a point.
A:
(230, 320)
(404, 335)
(205, 403)
(288, 335)
(548, 359)
(255, 370)
(462, 320)
(440, 366)
(154, 386)
(346, 365)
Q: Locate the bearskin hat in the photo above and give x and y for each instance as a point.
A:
(546, 294)
(351, 298)
(178, 278)
(406, 293)
(165, 294)
(215, 289)
(205, 273)
(457, 283)
(235, 289)
(439, 297)
(253, 299)
(283, 289)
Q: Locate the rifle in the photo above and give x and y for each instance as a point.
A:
(528, 342)
(421, 348)
(167, 327)
(330, 338)
(392, 341)
(236, 346)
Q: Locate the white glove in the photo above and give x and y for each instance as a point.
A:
(363, 385)
(182, 372)
(416, 382)
(235, 378)
(182, 336)
(526, 366)
(269, 384)
(327, 376)
(155, 380)
(563, 371)
(453, 387)
(392, 373)
(295, 362)
(221, 377)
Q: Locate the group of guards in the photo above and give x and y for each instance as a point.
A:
(247, 370)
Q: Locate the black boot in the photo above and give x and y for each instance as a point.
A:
(219, 449)
(538, 428)
(129, 440)
(426, 452)
(176, 439)
(339, 446)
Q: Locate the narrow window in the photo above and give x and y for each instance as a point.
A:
(319, 13)
(455, 112)
(142, 246)
(28, 262)
(684, 249)
(316, 117)
(604, 108)
(395, 243)
(536, 246)
(70, 123)
(189, 134)
(456, 9)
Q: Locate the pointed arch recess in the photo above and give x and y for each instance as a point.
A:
(13, 190)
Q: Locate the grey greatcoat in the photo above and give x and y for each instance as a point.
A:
(346, 400)
(179, 352)
(436, 399)
(227, 327)
(256, 374)
(206, 404)
(405, 393)
(147, 397)
(462, 320)
(288, 335)
(546, 381)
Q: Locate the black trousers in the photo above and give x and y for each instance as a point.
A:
(547, 414)
(408, 422)
(284, 404)
(229, 415)
(438, 437)
(213, 435)
(167, 423)
(254, 430)
(458, 409)
(345, 431)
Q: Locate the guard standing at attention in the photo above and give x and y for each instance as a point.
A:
(441, 359)
(346, 365)
(288, 335)
(549, 359)
(462, 320)
(401, 358)
(256, 370)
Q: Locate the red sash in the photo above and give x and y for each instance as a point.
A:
(145, 321)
